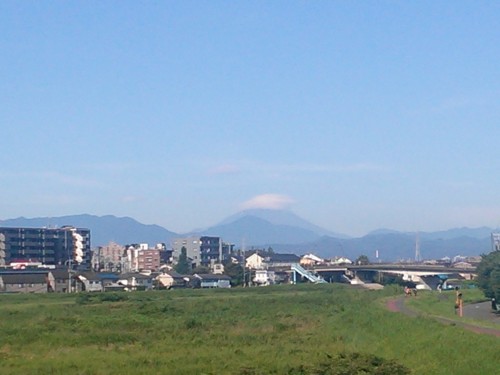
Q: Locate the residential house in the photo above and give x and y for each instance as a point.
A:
(340, 261)
(218, 269)
(310, 260)
(282, 260)
(213, 281)
(90, 282)
(257, 261)
(136, 281)
(110, 280)
(61, 280)
(169, 279)
(26, 282)
(264, 277)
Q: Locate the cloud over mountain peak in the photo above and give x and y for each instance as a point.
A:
(268, 201)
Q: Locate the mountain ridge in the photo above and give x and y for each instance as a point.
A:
(282, 217)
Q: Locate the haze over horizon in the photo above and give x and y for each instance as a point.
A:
(354, 116)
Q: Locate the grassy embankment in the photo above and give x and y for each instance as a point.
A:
(268, 330)
(442, 304)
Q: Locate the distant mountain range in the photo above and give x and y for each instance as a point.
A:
(282, 230)
(282, 218)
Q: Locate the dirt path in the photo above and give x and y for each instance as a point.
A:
(398, 305)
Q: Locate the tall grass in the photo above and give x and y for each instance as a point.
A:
(271, 330)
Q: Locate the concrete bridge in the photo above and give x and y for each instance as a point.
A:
(422, 275)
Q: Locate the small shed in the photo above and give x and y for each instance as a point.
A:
(25, 282)
(213, 281)
(61, 280)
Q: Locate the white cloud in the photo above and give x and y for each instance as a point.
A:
(268, 201)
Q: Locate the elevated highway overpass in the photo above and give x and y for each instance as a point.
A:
(422, 275)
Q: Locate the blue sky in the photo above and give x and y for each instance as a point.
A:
(354, 115)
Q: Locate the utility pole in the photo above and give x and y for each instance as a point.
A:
(69, 260)
(418, 257)
(244, 260)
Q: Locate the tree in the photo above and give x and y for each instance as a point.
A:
(183, 266)
(495, 282)
(488, 275)
(235, 272)
(362, 260)
(200, 270)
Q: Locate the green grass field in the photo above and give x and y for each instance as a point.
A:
(442, 305)
(271, 330)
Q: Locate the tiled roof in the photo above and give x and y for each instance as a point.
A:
(25, 278)
(59, 273)
(174, 274)
(91, 276)
(99, 276)
(210, 277)
(292, 258)
(136, 275)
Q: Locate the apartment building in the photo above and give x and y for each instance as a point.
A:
(67, 246)
(202, 251)
(109, 257)
(148, 259)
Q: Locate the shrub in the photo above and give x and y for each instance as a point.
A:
(352, 364)
(192, 323)
(112, 297)
(82, 299)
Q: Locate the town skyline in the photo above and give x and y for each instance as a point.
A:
(355, 117)
(283, 232)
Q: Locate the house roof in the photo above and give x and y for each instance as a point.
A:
(211, 277)
(12, 271)
(108, 275)
(135, 275)
(291, 258)
(25, 278)
(91, 276)
(100, 276)
(312, 257)
(60, 273)
(174, 274)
